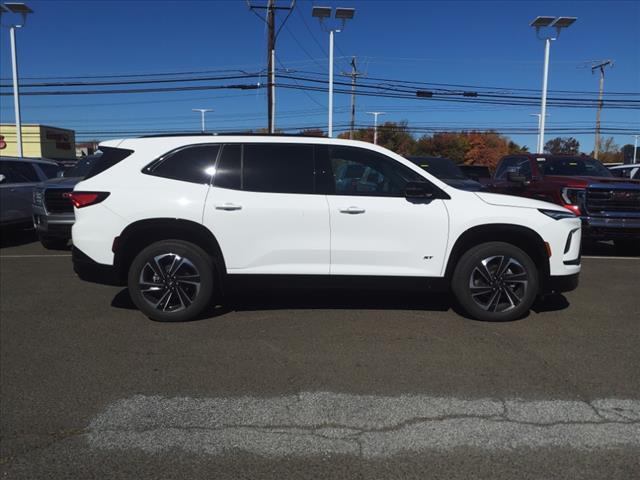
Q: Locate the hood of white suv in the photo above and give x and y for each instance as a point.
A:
(512, 201)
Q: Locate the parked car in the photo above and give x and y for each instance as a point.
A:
(18, 178)
(609, 206)
(479, 173)
(447, 171)
(175, 218)
(52, 210)
(631, 171)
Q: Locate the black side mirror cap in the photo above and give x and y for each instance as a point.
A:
(424, 191)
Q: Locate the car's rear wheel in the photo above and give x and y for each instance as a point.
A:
(495, 281)
(628, 246)
(172, 281)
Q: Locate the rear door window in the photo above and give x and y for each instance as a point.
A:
(278, 168)
(229, 168)
(18, 171)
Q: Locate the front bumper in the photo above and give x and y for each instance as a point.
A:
(91, 271)
(610, 228)
(561, 283)
(52, 225)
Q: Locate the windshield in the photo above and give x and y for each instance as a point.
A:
(573, 166)
(439, 167)
(82, 167)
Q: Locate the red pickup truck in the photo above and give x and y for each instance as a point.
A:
(609, 206)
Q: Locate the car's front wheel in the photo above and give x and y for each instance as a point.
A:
(495, 281)
(172, 281)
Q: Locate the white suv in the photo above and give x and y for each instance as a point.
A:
(176, 217)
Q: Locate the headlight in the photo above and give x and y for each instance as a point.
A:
(38, 195)
(557, 214)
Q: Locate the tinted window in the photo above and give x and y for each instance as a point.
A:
(278, 168)
(192, 164)
(357, 171)
(439, 167)
(108, 158)
(18, 172)
(519, 165)
(50, 171)
(569, 166)
(82, 166)
(229, 167)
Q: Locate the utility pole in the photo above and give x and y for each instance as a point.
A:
(272, 35)
(601, 66)
(354, 74)
(375, 125)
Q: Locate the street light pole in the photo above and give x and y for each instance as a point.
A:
(558, 23)
(543, 107)
(23, 10)
(16, 90)
(635, 147)
(202, 112)
(342, 14)
(375, 125)
(330, 120)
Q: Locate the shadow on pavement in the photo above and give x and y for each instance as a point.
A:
(607, 249)
(14, 236)
(324, 299)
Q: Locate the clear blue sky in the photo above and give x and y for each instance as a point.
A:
(484, 43)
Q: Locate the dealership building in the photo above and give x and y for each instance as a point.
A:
(39, 141)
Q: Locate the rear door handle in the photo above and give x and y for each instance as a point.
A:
(228, 206)
(352, 210)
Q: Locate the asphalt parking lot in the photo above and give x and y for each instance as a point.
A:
(316, 384)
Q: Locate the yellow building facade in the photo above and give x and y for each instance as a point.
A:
(38, 141)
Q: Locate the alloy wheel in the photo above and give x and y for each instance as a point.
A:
(498, 283)
(169, 282)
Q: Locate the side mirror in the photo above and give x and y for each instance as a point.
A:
(419, 191)
(2, 178)
(516, 177)
(60, 174)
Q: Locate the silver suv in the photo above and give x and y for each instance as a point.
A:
(18, 178)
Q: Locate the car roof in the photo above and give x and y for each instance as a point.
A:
(33, 160)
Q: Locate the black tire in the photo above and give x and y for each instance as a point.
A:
(494, 298)
(178, 300)
(53, 243)
(627, 246)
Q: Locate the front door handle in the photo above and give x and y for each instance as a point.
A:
(228, 207)
(352, 210)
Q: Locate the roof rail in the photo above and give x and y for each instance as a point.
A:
(248, 134)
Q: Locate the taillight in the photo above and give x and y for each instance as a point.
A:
(84, 199)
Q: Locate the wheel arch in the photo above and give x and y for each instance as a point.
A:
(522, 237)
(138, 235)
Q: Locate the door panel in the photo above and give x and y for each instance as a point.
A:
(264, 233)
(390, 236)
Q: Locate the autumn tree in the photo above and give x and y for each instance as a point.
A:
(486, 148)
(609, 151)
(446, 144)
(562, 146)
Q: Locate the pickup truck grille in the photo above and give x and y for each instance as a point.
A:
(54, 202)
(601, 200)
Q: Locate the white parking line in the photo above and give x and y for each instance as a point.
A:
(604, 257)
(34, 256)
(368, 426)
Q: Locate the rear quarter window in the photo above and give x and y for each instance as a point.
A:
(110, 157)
